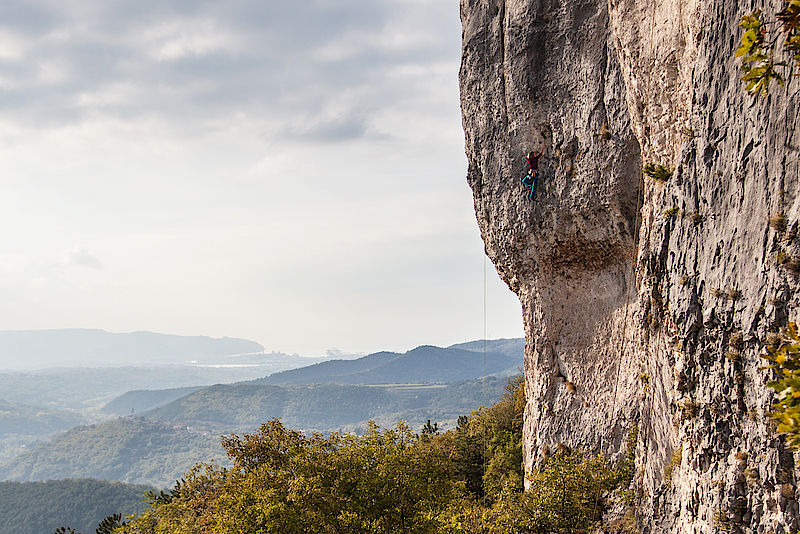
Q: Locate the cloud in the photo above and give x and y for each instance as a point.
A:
(192, 63)
(344, 127)
(80, 256)
(337, 354)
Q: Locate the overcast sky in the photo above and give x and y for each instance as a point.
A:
(288, 172)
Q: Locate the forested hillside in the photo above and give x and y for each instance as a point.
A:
(17, 418)
(22, 424)
(326, 407)
(41, 507)
(514, 347)
(155, 451)
(128, 450)
(423, 364)
(141, 400)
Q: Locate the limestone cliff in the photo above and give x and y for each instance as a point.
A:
(634, 316)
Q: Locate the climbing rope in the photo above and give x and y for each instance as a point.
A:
(634, 278)
(485, 393)
(635, 266)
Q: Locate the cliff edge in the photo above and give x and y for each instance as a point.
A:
(646, 304)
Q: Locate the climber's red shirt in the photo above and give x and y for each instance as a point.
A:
(533, 161)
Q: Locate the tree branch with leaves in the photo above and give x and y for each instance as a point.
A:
(762, 59)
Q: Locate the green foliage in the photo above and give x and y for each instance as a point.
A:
(110, 523)
(778, 222)
(675, 461)
(759, 47)
(284, 482)
(625, 468)
(657, 172)
(791, 264)
(721, 521)
(40, 507)
(429, 429)
(566, 495)
(785, 358)
(688, 409)
(486, 448)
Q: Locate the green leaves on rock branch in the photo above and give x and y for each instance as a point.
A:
(757, 55)
(752, 47)
(759, 76)
(759, 47)
(785, 355)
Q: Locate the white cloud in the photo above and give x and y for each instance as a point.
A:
(188, 38)
(12, 46)
(80, 256)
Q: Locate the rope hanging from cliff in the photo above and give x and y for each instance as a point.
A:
(485, 393)
(637, 224)
(635, 281)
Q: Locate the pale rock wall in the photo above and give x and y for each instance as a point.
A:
(628, 315)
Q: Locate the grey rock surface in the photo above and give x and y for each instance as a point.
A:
(634, 317)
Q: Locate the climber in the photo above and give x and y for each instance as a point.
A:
(530, 179)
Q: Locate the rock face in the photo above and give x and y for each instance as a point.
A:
(645, 303)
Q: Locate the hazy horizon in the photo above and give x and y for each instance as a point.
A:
(289, 174)
(35, 350)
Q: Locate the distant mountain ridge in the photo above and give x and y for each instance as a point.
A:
(32, 349)
(424, 364)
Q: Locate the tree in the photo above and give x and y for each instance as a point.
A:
(565, 496)
(387, 481)
(106, 526)
(486, 448)
(429, 429)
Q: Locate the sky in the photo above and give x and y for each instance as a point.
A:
(287, 172)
